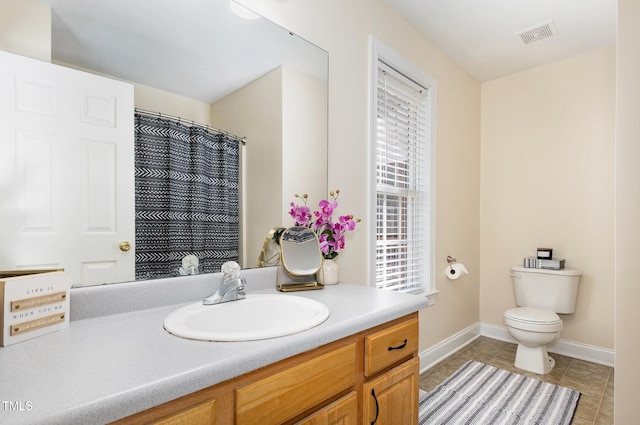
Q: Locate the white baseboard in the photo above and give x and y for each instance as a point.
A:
(443, 349)
(432, 355)
(565, 347)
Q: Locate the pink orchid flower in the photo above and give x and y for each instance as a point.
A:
(331, 235)
(301, 214)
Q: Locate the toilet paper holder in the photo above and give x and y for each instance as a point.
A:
(455, 270)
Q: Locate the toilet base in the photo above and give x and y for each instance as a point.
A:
(534, 359)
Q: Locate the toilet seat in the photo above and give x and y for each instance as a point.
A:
(533, 319)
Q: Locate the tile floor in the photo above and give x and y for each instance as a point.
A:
(594, 381)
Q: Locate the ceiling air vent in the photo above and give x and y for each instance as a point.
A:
(544, 30)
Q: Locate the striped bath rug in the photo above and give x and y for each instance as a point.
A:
(481, 394)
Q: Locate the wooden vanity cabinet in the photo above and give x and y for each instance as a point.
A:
(367, 378)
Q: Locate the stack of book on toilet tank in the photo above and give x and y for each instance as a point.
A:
(539, 263)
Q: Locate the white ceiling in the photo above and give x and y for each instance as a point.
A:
(179, 49)
(482, 35)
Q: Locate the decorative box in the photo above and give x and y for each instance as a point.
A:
(553, 264)
(33, 303)
(545, 253)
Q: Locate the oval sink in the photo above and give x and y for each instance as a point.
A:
(258, 316)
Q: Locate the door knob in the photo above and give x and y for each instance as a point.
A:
(125, 246)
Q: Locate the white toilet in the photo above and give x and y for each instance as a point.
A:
(540, 294)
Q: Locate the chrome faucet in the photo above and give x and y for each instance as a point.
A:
(231, 288)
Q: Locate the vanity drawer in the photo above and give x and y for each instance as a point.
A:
(292, 391)
(390, 345)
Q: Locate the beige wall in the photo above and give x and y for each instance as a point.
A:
(547, 181)
(342, 28)
(627, 249)
(256, 112)
(304, 139)
(25, 28)
(155, 100)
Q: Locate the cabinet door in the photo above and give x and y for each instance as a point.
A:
(342, 412)
(392, 398)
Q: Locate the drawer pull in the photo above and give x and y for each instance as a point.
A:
(399, 347)
(373, 393)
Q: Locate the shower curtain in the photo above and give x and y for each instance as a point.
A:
(187, 200)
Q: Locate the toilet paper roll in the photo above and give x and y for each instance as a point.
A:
(454, 271)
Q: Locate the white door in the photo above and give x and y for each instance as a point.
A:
(66, 171)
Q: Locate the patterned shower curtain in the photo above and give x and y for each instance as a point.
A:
(187, 200)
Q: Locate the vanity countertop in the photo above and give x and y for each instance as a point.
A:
(104, 368)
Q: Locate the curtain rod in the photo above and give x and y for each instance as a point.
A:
(242, 140)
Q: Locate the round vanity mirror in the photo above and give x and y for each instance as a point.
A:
(300, 251)
(270, 252)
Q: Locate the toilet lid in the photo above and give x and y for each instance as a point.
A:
(533, 315)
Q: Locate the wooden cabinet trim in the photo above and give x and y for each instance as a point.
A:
(344, 411)
(202, 414)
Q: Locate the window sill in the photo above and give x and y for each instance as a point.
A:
(431, 296)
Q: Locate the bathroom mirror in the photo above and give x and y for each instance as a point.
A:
(301, 260)
(200, 54)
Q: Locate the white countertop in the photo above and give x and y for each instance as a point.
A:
(105, 368)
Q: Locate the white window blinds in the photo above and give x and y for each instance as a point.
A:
(403, 151)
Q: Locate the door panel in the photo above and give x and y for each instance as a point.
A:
(66, 143)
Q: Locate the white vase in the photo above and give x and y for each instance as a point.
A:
(331, 272)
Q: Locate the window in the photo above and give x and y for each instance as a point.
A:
(402, 163)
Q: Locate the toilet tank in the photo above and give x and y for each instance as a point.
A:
(553, 290)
